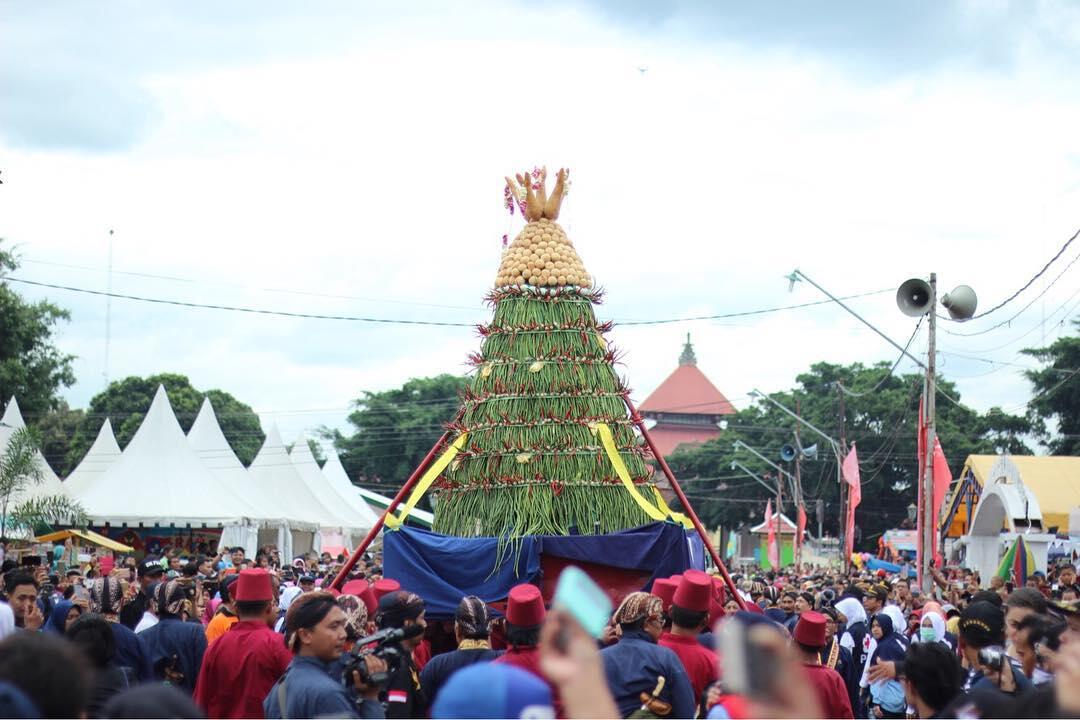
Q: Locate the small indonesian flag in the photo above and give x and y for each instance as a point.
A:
(397, 696)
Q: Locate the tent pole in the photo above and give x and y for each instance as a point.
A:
(640, 423)
(374, 531)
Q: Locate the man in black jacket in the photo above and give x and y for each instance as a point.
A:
(150, 571)
(471, 628)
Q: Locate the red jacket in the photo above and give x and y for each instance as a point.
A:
(831, 691)
(239, 669)
(702, 664)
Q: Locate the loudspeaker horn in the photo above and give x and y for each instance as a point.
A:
(810, 453)
(913, 297)
(788, 453)
(961, 302)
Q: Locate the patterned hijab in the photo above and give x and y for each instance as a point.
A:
(637, 606)
(172, 599)
(355, 616)
(106, 595)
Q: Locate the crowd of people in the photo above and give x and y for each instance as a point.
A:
(224, 636)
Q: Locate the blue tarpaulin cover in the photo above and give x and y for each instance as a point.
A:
(443, 569)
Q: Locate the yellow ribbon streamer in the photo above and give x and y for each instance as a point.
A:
(608, 442)
(677, 517)
(425, 482)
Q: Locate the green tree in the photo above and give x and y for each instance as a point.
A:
(126, 401)
(394, 429)
(32, 369)
(881, 418)
(56, 429)
(19, 473)
(1057, 394)
(314, 446)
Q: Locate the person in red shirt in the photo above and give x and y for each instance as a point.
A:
(809, 639)
(240, 668)
(689, 612)
(664, 588)
(525, 614)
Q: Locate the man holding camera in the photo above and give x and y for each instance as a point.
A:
(982, 634)
(405, 698)
(240, 668)
(315, 632)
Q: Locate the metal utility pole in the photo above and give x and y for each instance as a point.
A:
(926, 581)
(842, 431)
(798, 488)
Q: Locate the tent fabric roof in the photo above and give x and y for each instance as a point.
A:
(87, 535)
(360, 512)
(213, 449)
(276, 474)
(1054, 480)
(99, 458)
(687, 391)
(159, 480)
(321, 487)
(381, 501)
(785, 527)
(50, 484)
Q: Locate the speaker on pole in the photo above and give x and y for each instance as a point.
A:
(914, 297)
(961, 302)
(788, 453)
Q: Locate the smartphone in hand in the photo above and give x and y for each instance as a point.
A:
(749, 668)
(577, 594)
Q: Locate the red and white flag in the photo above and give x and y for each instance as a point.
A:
(773, 550)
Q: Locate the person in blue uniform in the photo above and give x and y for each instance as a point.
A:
(176, 647)
(635, 663)
(315, 633)
(471, 628)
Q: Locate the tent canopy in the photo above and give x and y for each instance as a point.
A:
(358, 511)
(213, 449)
(421, 517)
(274, 473)
(159, 480)
(89, 536)
(99, 458)
(50, 484)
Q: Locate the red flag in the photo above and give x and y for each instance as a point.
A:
(772, 549)
(942, 480)
(850, 470)
(802, 524)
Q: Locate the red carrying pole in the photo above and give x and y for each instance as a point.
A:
(637, 420)
(374, 531)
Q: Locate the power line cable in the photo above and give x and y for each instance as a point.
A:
(394, 321)
(1029, 283)
(886, 376)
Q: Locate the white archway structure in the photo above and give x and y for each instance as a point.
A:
(1006, 508)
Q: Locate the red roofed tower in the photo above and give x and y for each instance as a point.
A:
(686, 406)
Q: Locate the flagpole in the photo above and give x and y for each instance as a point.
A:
(926, 581)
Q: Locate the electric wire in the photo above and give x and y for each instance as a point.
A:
(886, 376)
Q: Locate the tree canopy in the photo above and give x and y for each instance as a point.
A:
(880, 416)
(1057, 394)
(126, 401)
(394, 429)
(32, 369)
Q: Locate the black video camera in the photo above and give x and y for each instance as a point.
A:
(385, 645)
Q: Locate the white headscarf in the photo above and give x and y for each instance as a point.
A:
(899, 622)
(852, 610)
(288, 594)
(7, 620)
(938, 623)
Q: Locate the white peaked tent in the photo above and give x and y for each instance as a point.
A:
(268, 520)
(99, 458)
(159, 480)
(275, 474)
(353, 503)
(50, 484)
(348, 523)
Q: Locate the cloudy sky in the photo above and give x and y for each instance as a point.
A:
(346, 158)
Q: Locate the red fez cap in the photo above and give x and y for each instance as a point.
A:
(716, 601)
(525, 606)
(810, 630)
(253, 586)
(694, 591)
(664, 588)
(385, 587)
(362, 590)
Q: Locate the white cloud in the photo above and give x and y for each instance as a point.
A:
(370, 166)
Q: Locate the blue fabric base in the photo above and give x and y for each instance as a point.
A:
(443, 569)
